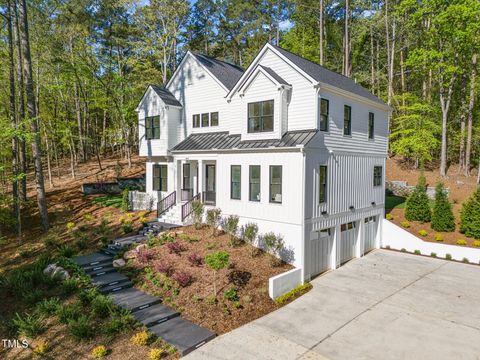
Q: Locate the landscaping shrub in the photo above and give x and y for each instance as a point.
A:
(66, 313)
(197, 213)
(433, 254)
(101, 306)
(42, 348)
(250, 232)
(417, 252)
(163, 267)
(48, 306)
(461, 242)
(144, 256)
(125, 202)
(476, 243)
(417, 207)
(448, 256)
(86, 296)
(230, 225)
(182, 278)
(33, 296)
(442, 215)
(465, 260)
(28, 325)
(239, 278)
(81, 244)
(118, 322)
(423, 232)
(66, 251)
(231, 294)
(274, 245)
(141, 338)
(69, 286)
(403, 250)
(99, 352)
(155, 354)
(438, 237)
(126, 223)
(292, 294)
(389, 216)
(175, 248)
(195, 259)
(217, 261)
(214, 219)
(405, 224)
(81, 328)
(51, 243)
(470, 216)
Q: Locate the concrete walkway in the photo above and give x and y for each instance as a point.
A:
(386, 305)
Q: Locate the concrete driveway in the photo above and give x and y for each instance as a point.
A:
(386, 305)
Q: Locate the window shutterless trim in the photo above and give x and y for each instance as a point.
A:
(270, 183)
(205, 116)
(236, 182)
(322, 100)
(261, 116)
(371, 126)
(322, 184)
(347, 120)
(250, 183)
(377, 175)
(211, 118)
(196, 120)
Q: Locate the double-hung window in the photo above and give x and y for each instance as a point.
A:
(260, 116)
(159, 177)
(254, 183)
(275, 184)
(196, 120)
(205, 120)
(152, 127)
(377, 175)
(347, 120)
(214, 119)
(186, 176)
(235, 182)
(322, 184)
(324, 105)
(371, 126)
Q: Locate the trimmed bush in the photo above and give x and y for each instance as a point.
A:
(101, 306)
(214, 219)
(448, 256)
(465, 260)
(476, 243)
(417, 207)
(403, 250)
(99, 352)
(274, 245)
(250, 232)
(433, 254)
(470, 216)
(442, 216)
(141, 338)
(422, 232)
(230, 225)
(197, 213)
(417, 252)
(292, 294)
(155, 354)
(42, 348)
(438, 237)
(389, 216)
(461, 242)
(405, 224)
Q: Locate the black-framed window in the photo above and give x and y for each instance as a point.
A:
(322, 183)
(205, 120)
(347, 226)
(186, 176)
(152, 127)
(324, 108)
(260, 116)
(347, 120)
(371, 125)
(275, 183)
(377, 175)
(235, 182)
(254, 183)
(214, 119)
(196, 120)
(160, 177)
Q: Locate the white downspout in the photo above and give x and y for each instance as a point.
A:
(302, 248)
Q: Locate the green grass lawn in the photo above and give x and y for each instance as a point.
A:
(109, 200)
(399, 202)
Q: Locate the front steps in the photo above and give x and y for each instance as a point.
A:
(161, 320)
(173, 215)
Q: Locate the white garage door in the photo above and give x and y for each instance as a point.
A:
(371, 225)
(320, 250)
(346, 243)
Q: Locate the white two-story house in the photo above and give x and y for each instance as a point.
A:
(287, 144)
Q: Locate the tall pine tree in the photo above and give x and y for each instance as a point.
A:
(442, 216)
(470, 216)
(418, 207)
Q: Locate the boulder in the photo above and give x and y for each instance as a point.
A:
(131, 254)
(118, 263)
(50, 269)
(141, 247)
(60, 273)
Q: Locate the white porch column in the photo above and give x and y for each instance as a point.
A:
(201, 176)
(178, 180)
(335, 242)
(358, 245)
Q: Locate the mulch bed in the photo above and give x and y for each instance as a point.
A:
(193, 300)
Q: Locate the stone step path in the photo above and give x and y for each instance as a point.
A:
(161, 320)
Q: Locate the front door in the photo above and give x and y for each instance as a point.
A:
(210, 184)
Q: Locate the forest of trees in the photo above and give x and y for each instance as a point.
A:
(72, 72)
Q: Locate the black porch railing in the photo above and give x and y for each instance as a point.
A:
(209, 197)
(186, 194)
(187, 207)
(166, 203)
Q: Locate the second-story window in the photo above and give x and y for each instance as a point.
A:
(196, 120)
(159, 177)
(260, 116)
(371, 126)
(205, 120)
(152, 127)
(214, 119)
(322, 184)
(324, 114)
(347, 120)
(377, 175)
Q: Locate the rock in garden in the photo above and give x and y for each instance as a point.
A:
(131, 254)
(61, 273)
(172, 234)
(118, 263)
(50, 269)
(140, 247)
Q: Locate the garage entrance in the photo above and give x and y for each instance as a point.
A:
(320, 250)
(346, 242)
(370, 234)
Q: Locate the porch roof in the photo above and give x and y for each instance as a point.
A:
(224, 141)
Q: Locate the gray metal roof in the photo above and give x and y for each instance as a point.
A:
(273, 74)
(166, 96)
(228, 74)
(224, 141)
(322, 74)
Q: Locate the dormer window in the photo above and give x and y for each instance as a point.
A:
(260, 116)
(152, 127)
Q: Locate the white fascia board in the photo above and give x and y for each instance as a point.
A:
(243, 89)
(237, 150)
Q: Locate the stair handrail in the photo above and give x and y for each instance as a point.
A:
(187, 207)
(166, 203)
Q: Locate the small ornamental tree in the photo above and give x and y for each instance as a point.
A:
(214, 219)
(417, 207)
(230, 225)
(442, 216)
(217, 261)
(274, 245)
(470, 216)
(197, 213)
(250, 232)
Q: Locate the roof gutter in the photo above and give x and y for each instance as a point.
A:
(264, 149)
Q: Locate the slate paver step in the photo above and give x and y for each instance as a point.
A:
(115, 288)
(183, 334)
(110, 251)
(99, 271)
(154, 314)
(109, 279)
(102, 265)
(129, 240)
(133, 299)
(96, 258)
